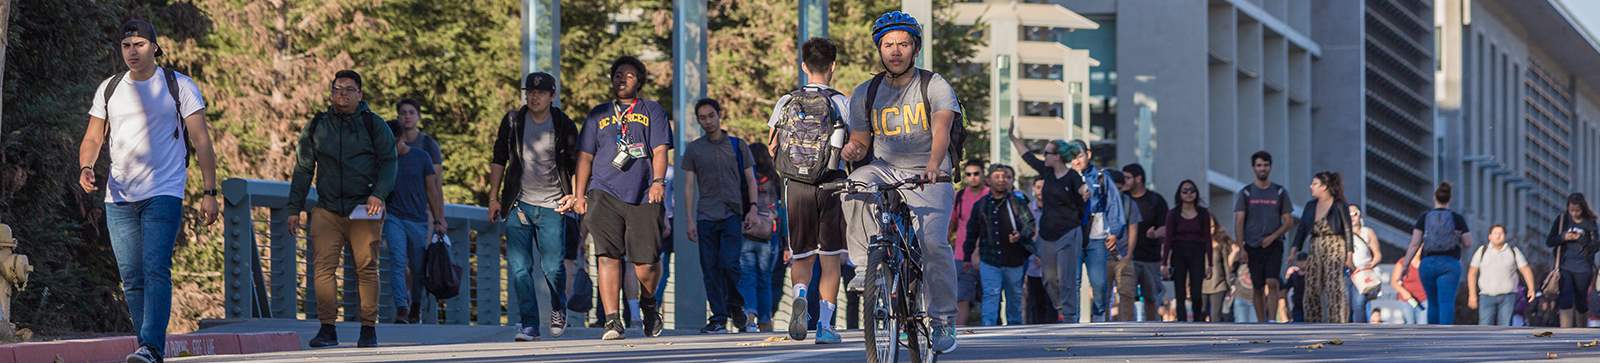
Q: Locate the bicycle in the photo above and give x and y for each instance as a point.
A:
(894, 274)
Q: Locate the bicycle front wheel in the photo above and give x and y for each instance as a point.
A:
(882, 330)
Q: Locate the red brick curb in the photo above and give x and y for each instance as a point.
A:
(117, 348)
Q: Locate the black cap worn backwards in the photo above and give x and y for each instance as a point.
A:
(142, 29)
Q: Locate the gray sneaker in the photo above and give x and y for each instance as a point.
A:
(528, 333)
(944, 337)
(144, 355)
(859, 282)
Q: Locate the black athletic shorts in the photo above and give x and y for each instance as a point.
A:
(1265, 263)
(816, 218)
(623, 230)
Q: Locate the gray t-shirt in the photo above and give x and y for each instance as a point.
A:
(1498, 268)
(540, 184)
(1263, 211)
(901, 124)
(717, 176)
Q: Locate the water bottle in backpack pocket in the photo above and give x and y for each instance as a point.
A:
(809, 120)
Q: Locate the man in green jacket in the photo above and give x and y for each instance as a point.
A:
(356, 153)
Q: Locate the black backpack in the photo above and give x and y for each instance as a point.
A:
(172, 89)
(958, 127)
(808, 120)
(440, 276)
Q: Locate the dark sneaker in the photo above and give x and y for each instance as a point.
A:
(738, 321)
(327, 336)
(715, 328)
(653, 323)
(944, 337)
(402, 316)
(144, 355)
(798, 318)
(369, 337)
(614, 330)
(558, 323)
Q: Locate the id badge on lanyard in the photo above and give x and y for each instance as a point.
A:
(625, 142)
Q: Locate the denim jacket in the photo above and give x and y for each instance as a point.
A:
(1106, 199)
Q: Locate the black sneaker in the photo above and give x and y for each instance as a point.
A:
(369, 337)
(614, 329)
(144, 355)
(652, 321)
(401, 316)
(715, 328)
(327, 336)
(558, 323)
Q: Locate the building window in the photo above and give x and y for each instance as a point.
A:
(1041, 71)
(1038, 33)
(1041, 109)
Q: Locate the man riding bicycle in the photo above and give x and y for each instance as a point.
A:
(903, 117)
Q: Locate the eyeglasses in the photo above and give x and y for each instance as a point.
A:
(1188, 191)
(974, 173)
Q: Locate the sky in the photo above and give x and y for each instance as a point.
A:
(1588, 13)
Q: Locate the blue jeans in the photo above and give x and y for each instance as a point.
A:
(1243, 311)
(404, 241)
(1418, 315)
(1496, 309)
(1094, 259)
(142, 236)
(996, 280)
(1358, 302)
(1441, 276)
(720, 246)
(755, 278)
(666, 275)
(535, 235)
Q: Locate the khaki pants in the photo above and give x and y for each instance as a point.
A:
(329, 233)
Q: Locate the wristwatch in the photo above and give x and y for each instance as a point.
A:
(662, 181)
(209, 193)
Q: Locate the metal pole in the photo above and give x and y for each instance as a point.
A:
(541, 40)
(923, 11)
(688, 85)
(813, 24)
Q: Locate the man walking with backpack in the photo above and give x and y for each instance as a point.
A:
(535, 155)
(808, 129)
(1440, 236)
(150, 116)
(351, 155)
(910, 120)
(1261, 217)
(719, 169)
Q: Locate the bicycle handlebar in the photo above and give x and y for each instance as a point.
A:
(851, 186)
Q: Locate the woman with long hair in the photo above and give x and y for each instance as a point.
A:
(1573, 236)
(1326, 221)
(1185, 249)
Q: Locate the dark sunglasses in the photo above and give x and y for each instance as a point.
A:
(1188, 190)
(977, 173)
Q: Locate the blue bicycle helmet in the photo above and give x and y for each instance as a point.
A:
(895, 20)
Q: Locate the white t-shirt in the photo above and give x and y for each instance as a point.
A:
(1497, 269)
(146, 161)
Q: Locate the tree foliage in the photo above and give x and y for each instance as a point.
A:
(264, 68)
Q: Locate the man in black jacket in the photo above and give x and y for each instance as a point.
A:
(538, 143)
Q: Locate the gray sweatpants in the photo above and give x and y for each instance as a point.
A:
(930, 211)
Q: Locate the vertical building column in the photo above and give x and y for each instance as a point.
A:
(688, 85)
(813, 24)
(923, 11)
(541, 40)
